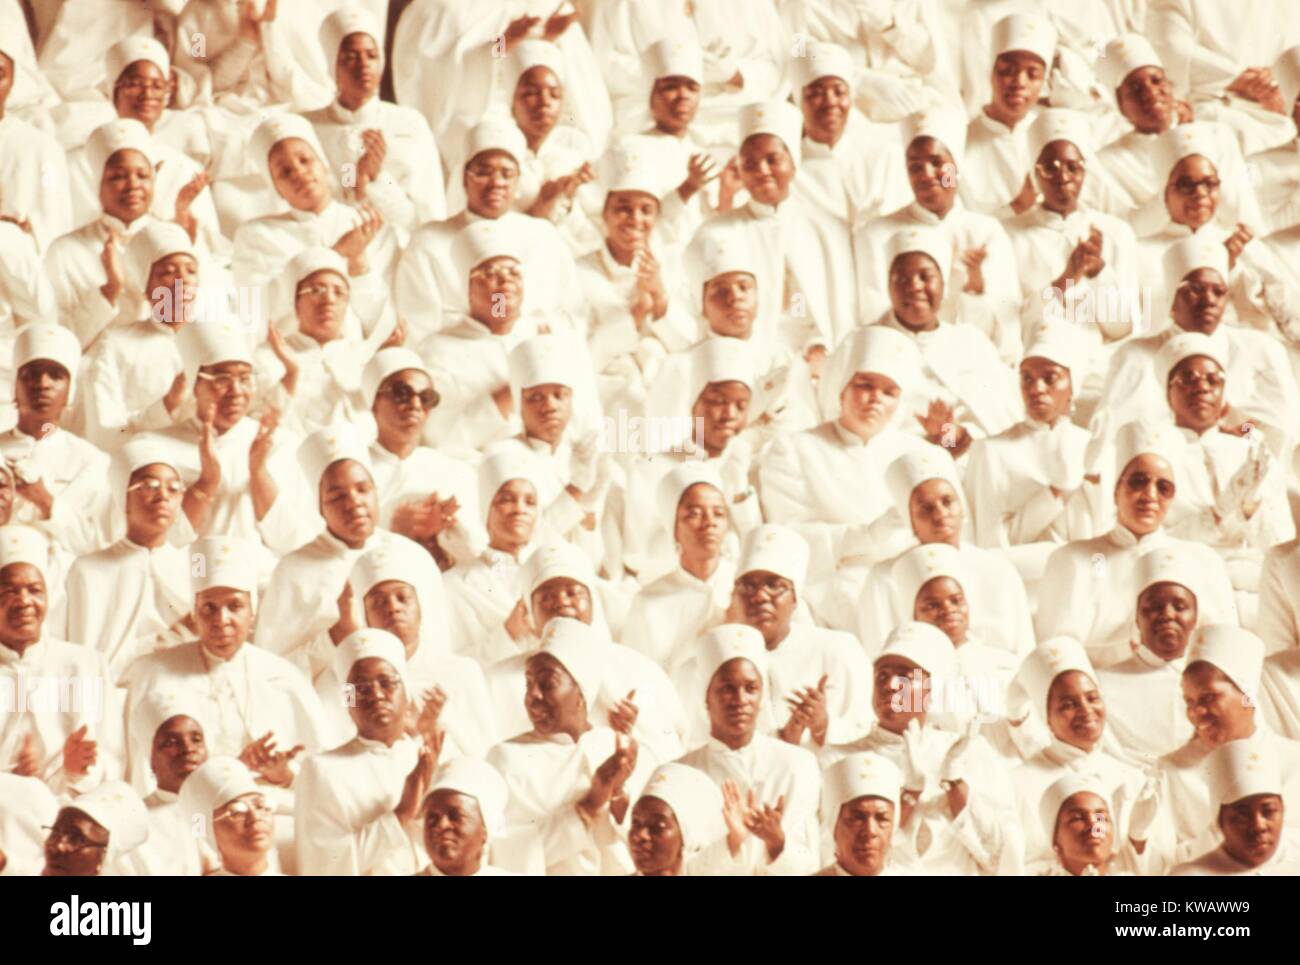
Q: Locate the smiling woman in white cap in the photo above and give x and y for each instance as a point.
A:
(464, 812)
(96, 834)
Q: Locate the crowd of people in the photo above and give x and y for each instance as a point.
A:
(660, 437)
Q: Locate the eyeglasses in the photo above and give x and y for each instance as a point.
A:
(775, 586)
(488, 173)
(151, 486)
(401, 394)
(497, 273)
(1052, 170)
(74, 837)
(379, 686)
(1140, 481)
(256, 807)
(1192, 380)
(138, 86)
(226, 383)
(337, 292)
(1189, 187)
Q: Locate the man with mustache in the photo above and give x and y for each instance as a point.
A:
(97, 834)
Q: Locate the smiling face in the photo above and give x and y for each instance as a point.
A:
(731, 303)
(394, 605)
(942, 603)
(126, 185)
(178, 749)
(349, 501)
(724, 407)
(1146, 99)
(916, 290)
(673, 103)
(545, 410)
(561, 596)
(1017, 83)
(76, 846)
(552, 698)
(1144, 493)
(1215, 705)
(1196, 393)
(655, 838)
(1166, 617)
(766, 168)
(733, 699)
(142, 92)
(539, 97)
(936, 512)
(225, 619)
(454, 832)
(863, 832)
(379, 699)
(1200, 301)
(358, 68)
(629, 218)
(1252, 828)
(491, 182)
(932, 172)
(826, 105)
(1085, 834)
(1046, 389)
(900, 693)
(701, 521)
(1076, 713)
(512, 515)
(22, 605)
(321, 304)
(1192, 192)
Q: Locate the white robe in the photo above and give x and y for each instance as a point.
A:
(34, 175)
(125, 376)
(172, 847)
(27, 807)
(1280, 693)
(25, 292)
(74, 264)
(1278, 623)
(1284, 863)
(427, 470)
(481, 593)
(328, 390)
(74, 473)
(669, 615)
(1144, 703)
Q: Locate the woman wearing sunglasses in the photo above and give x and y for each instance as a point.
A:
(222, 798)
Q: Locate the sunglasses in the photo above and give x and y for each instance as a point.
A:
(401, 394)
(1141, 481)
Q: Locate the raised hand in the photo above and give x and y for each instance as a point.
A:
(261, 447)
(764, 822)
(623, 717)
(1236, 242)
(417, 784)
(700, 170)
(28, 764)
(973, 260)
(185, 197)
(79, 752)
(110, 256)
(735, 813)
(262, 757)
(354, 242)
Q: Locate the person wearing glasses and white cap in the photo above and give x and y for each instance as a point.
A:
(389, 147)
(861, 809)
(462, 814)
(1246, 785)
(223, 799)
(135, 66)
(97, 833)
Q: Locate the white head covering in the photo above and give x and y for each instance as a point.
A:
(921, 564)
(22, 544)
(1186, 345)
(1060, 342)
(126, 52)
(1045, 663)
(870, 348)
(406, 562)
(1066, 787)
(721, 645)
(1138, 438)
(526, 56)
(496, 132)
(116, 806)
(136, 453)
(932, 241)
(922, 644)
(124, 133)
(820, 60)
(714, 253)
(675, 58)
(1286, 72)
(482, 782)
(913, 468)
(224, 561)
(212, 342)
(214, 784)
(324, 447)
(482, 241)
(302, 266)
(1024, 31)
(555, 560)
(497, 469)
(386, 362)
(1234, 650)
(547, 360)
(859, 775)
(151, 245)
(947, 125)
(771, 548)
(160, 705)
(778, 118)
(1123, 55)
(1182, 141)
(1189, 255)
(279, 128)
(674, 484)
(1165, 565)
(340, 25)
(367, 643)
(1059, 124)
(1241, 769)
(719, 360)
(696, 801)
(51, 341)
(581, 651)
(630, 166)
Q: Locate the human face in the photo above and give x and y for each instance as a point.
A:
(932, 172)
(298, 175)
(673, 103)
(1217, 709)
(1017, 82)
(655, 838)
(1076, 714)
(767, 602)
(175, 274)
(863, 832)
(358, 66)
(1046, 389)
(1084, 834)
(766, 168)
(228, 389)
(701, 521)
(126, 185)
(561, 596)
(942, 602)
(512, 515)
(379, 702)
(545, 410)
(22, 604)
(1146, 98)
(393, 605)
(936, 512)
(868, 403)
(491, 181)
(75, 846)
(349, 501)
(6, 78)
(1166, 616)
(321, 302)
(496, 291)
(1192, 192)
(454, 832)
(399, 410)
(1196, 389)
(225, 619)
(826, 105)
(731, 303)
(900, 693)
(539, 97)
(43, 387)
(1200, 301)
(243, 828)
(1252, 827)
(1060, 172)
(153, 496)
(724, 407)
(1143, 494)
(552, 698)
(630, 218)
(178, 749)
(142, 92)
(916, 290)
(734, 698)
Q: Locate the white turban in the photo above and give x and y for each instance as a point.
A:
(1045, 663)
(922, 644)
(696, 802)
(116, 806)
(1241, 769)
(150, 246)
(482, 782)
(1123, 55)
(223, 561)
(780, 119)
(1066, 787)
(823, 60)
(547, 360)
(526, 56)
(932, 241)
(630, 166)
(404, 561)
(674, 484)
(714, 253)
(324, 447)
(1286, 72)
(279, 128)
(482, 241)
(51, 342)
(1060, 342)
(553, 562)
(1165, 565)
(495, 133)
(946, 125)
(368, 643)
(1183, 141)
(126, 52)
(1186, 345)
(1189, 255)
(581, 651)
(870, 348)
(156, 708)
(22, 544)
(721, 645)
(719, 359)
(340, 25)
(500, 467)
(913, 468)
(771, 548)
(137, 453)
(212, 342)
(1138, 438)
(1234, 650)
(675, 58)
(1028, 32)
(386, 362)
(1059, 124)
(859, 775)
(125, 133)
(921, 564)
(214, 784)
(302, 266)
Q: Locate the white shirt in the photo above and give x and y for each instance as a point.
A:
(34, 172)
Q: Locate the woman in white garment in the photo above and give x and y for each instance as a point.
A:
(222, 797)
(1078, 814)
(770, 787)
(463, 814)
(358, 804)
(174, 728)
(1027, 488)
(955, 786)
(425, 494)
(677, 827)
(28, 154)
(487, 613)
(97, 834)
(384, 153)
(827, 483)
(1141, 478)
(571, 781)
(1060, 686)
(130, 598)
(862, 807)
(29, 808)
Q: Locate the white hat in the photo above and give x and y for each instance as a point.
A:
(1241, 769)
(282, 127)
(561, 559)
(137, 452)
(1139, 438)
(160, 705)
(367, 643)
(1066, 787)
(151, 245)
(1286, 72)
(530, 54)
(947, 125)
(1189, 255)
(386, 362)
(212, 342)
(1047, 661)
(721, 645)
(870, 348)
(714, 253)
(1028, 32)
(495, 133)
(404, 561)
(324, 447)
(340, 25)
(921, 564)
(126, 52)
(630, 166)
(720, 359)
(224, 561)
(859, 775)
(780, 119)
(22, 544)
(301, 267)
(116, 806)
(122, 134)
(581, 651)
(1165, 565)
(500, 467)
(932, 241)
(545, 360)
(696, 802)
(820, 60)
(1234, 650)
(915, 467)
(1059, 124)
(674, 484)
(1184, 141)
(675, 58)
(922, 644)
(771, 548)
(51, 342)
(1060, 342)
(482, 241)
(214, 784)
(482, 782)
(1186, 345)
(1123, 55)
